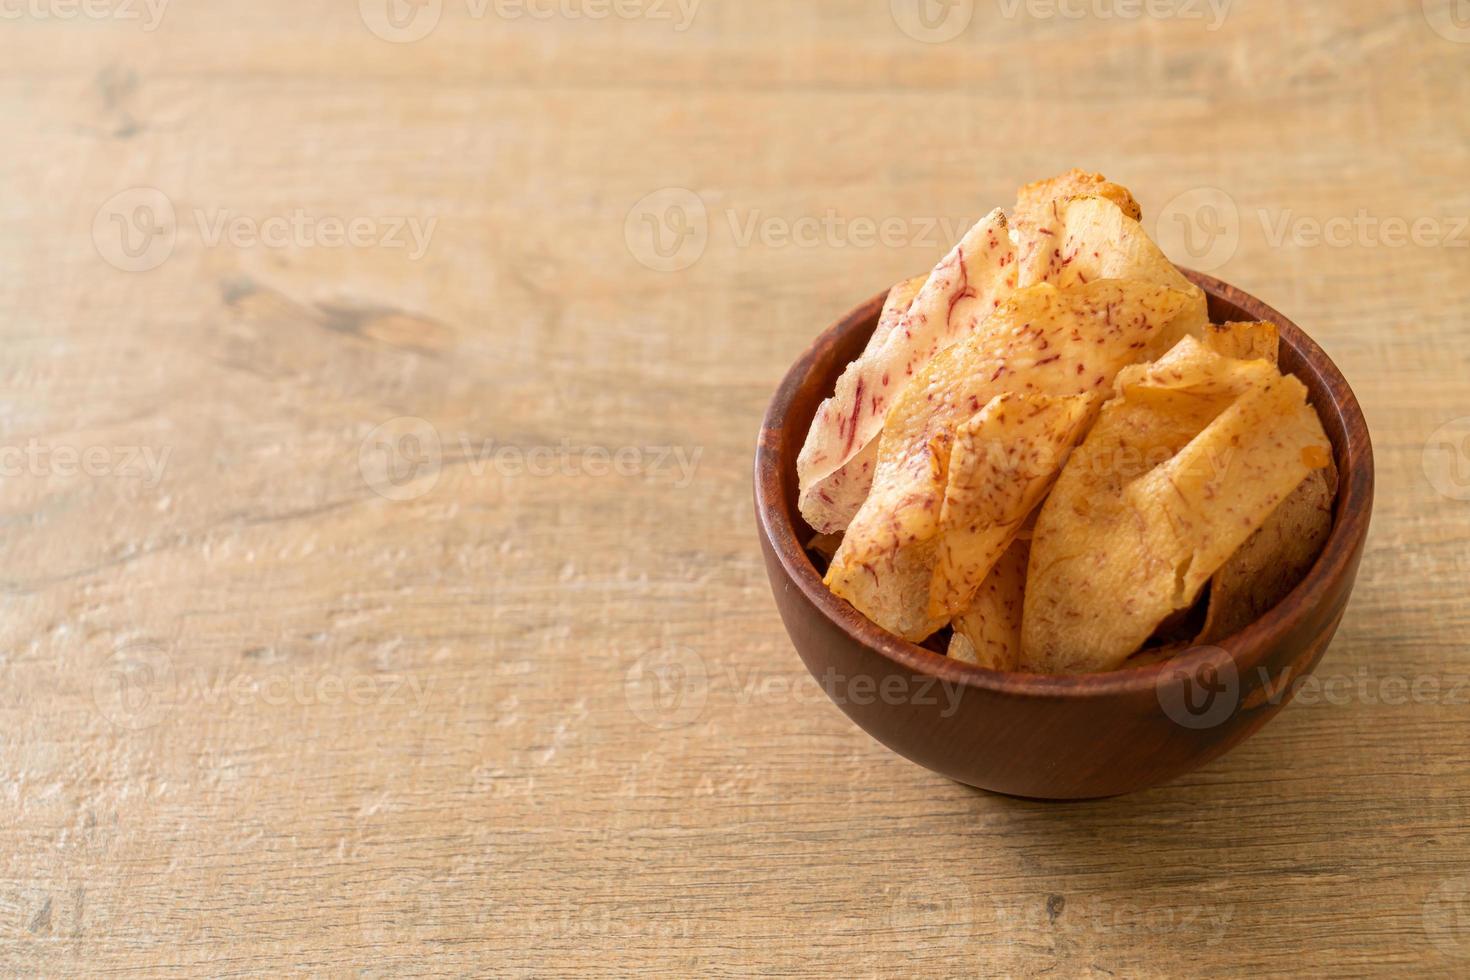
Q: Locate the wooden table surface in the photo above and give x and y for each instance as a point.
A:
(382, 591)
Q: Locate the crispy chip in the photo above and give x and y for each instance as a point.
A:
(1280, 553)
(989, 633)
(1244, 341)
(962, 648)
(1037, 197)
(1187, 387)
(895, 307)
(1178, 472)
(834, 468)
(895, 594)
(1274, 559)
(831, 490)
(1028, 526)
(1003, 462)
(1089, 238)
(836, 464)
(1044, 341)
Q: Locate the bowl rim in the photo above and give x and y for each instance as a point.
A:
(1350, 525)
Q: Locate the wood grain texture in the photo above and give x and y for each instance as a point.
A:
(306, 694)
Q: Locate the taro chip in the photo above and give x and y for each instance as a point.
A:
(1178, 472)
(989, 632)
(1274, 559)
(1090, 238)
(1244, 341)
(836, 464)
(835, 467)
(1055, 343)
(900, 298)
(1003, 462)
(841, 482)
(1034, 201)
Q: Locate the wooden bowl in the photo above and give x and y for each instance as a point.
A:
(1047, 737)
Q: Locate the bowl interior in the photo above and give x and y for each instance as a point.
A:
(811, 380)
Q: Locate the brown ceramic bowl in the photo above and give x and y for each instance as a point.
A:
(1041, 736)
